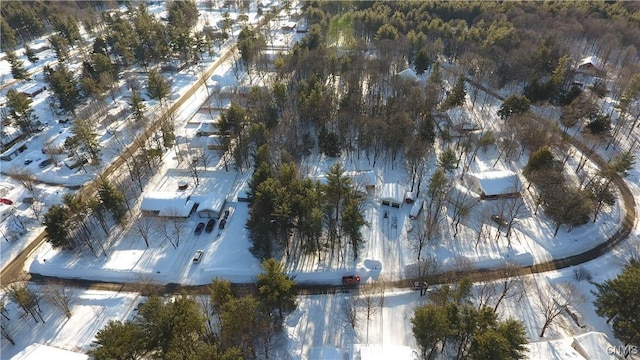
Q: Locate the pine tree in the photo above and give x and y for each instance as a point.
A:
(118, 340)
(17, 66)
(457, 95)
(137, 106)
(64, 86)
(20, 109)
(615, 300)
(275, 288)
(514, 105)
(31, 55)
(157, 87)
(113, 200)
(56, 222)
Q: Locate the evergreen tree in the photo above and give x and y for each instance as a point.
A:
(17, 66)
(157, 87)
(615, 300)
(64, 86)
(275, 288)
(539, 160)
(60, 47)
(423, 61)
(118, 341)
(137, 107)
(514, 105)
(352, 222)
(20, 110)
(457, 95)
(31, 55)
(430, 326)
(113, 200)
(7, 35)
(56, 222)
(448, 159)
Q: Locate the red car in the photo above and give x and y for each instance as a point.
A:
(351, 280)
(199, 228)
(6, 201)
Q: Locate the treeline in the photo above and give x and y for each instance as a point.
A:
(303, 216)
(497, 42)
(223, 325)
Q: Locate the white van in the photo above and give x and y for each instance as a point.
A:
(197, 256)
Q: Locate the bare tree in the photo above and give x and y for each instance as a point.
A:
(5, 332)
(349, 307)
(24, 178)
(553, 302)
(485, 292)
(194, 158)
(508, 286)
(60, 296)
(144, 227)
(172, 229)
(27, 299)
(372, 299)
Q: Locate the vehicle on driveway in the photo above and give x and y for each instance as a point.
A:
(45, 163)
(223, 222)
(28, 161)
(6, 201)
(199, 228)
(197, 257)
(210, 224)
(226, 214)
(351, 280)
(499, 220)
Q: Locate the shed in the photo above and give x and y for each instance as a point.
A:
(14, 151)
(590, 65)
(393, 195)
(592, 343)
(495, 184)
(211, 206)
(32, 89)
(167, 203)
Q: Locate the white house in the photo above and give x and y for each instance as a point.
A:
(211, 206)
(495, 184)
(39, 351)
(379, 351)
(167, 203)
(393, 195)
(590, 65)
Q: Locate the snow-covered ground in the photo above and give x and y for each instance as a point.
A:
(316, 328)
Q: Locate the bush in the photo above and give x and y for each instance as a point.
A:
(581, 274)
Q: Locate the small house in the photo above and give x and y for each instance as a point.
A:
(393, 195)
(166, 203)
(13, 151)
(32, 90)
(416, 209)
(492, 185)
(590, 65)
(211, 206)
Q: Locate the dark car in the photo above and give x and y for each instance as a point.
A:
(45, 163)
(499, 220)
(226, 214)
(210, 224)
(6, 201)
(223, 222)
(28, 161)
(351, 280)
(199, 228)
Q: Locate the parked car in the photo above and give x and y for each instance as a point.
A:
(499, 220)
(28, 161)
(351, 280)
(226, 214)
(223, 222)
(197, 256)
(45, 163)
(210, 224)
(199, 228)
(64, 121)
(6, 201)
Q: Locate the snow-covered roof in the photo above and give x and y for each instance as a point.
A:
(213, 202)
(39, 351)
(408, 74)
(167, 203)
(393, 192)
(552, 350)
(498, 182)
(381, 352)
(592, 343)
(325, 353)
(591, 60)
